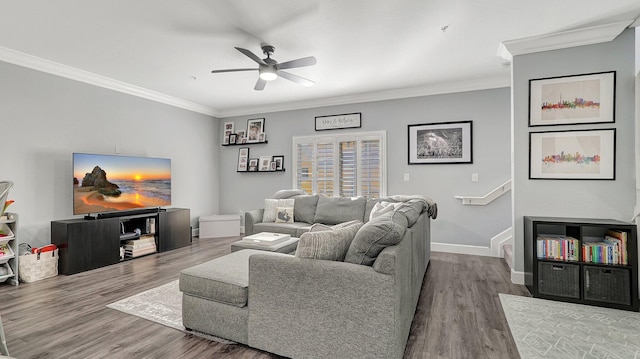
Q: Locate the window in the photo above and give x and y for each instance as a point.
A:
(346, 165)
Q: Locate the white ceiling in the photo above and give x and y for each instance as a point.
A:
(366, 50)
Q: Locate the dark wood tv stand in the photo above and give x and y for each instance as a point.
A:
(89, 244)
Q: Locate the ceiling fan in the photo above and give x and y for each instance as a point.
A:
(269, 69)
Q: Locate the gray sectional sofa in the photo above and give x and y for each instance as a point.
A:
(357, 305)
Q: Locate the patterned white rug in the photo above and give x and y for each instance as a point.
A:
(550, 329)
(162, 305)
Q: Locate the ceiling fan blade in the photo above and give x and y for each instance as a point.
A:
(231, 70)
(251, 55)
(260, 85)
(295, 78)
(305, 61)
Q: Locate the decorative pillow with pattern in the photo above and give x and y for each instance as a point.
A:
(284, 214)
(271, 205)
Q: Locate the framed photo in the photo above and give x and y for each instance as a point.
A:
(232, 138)
(228, 130)
(253, 164)
(254, 128)
(588, 154)
(336, 122)
(272, 166)
(575, 99)
(243, 159)
(445, 142)
(279, 160)
(265, 163)
(240, 134)
(262, 137)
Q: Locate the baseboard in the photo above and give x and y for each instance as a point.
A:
(517, 277)
(461, 249)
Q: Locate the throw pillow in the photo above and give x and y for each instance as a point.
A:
(270, 206)
(284, 214)
(381, 208)
(329, 245)
(380, 232)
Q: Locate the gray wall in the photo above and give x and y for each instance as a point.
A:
(44, 118)
(456, 224)
(572, 198)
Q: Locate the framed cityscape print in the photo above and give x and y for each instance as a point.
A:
(578, 155)
(572, 100)
(438, 143)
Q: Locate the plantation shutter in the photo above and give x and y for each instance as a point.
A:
(304, 166)
(348, 169)
(326, 168)
(371, 176)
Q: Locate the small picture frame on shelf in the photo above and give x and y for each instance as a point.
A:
(265, 163)
(279, 160)
(243, 140)
(233, 138)
(262, 137)
(273, 166)
(254, 128)
(243, 159)
(253, 165)
(240, 134)
(228, 129)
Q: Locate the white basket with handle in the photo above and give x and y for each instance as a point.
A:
(34, 267)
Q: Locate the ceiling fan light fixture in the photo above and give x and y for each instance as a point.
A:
(268, 73)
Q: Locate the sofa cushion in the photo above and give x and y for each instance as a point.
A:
(224, 279)
(285, 228)
(305, 208)
(287, 193)
(330, 244)
(284, 214)
(375, 235)
(271, 206)
(334, 210)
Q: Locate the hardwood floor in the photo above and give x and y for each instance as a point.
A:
(458, 315)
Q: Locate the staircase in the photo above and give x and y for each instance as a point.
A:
(508, 254)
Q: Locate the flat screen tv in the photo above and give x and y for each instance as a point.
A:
(113, 183)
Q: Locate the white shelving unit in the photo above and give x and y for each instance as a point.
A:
(9, 227)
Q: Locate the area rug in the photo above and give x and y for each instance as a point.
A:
(550, 329)
(162, 305)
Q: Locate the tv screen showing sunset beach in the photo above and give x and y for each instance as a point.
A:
(108, 183)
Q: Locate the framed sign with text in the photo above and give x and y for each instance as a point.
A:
(336, 122)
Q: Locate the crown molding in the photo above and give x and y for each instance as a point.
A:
(436, 89)
(54, 68)
(561, 40)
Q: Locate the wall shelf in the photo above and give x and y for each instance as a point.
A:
(282, 170)
(244, 144)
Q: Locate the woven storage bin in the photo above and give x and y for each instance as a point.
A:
(611, 285)
(34, 267)
(562, 280)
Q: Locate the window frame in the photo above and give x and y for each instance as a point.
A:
(336, 139)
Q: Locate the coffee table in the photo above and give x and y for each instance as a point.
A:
(288, 245)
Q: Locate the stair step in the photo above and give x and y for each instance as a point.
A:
(508, 254)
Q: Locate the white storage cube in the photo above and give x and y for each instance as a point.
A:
(219, 225)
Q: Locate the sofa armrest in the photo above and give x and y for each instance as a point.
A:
(322, 308)
(250, 218)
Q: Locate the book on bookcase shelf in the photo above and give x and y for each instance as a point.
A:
(612, 249)
(557, 247)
